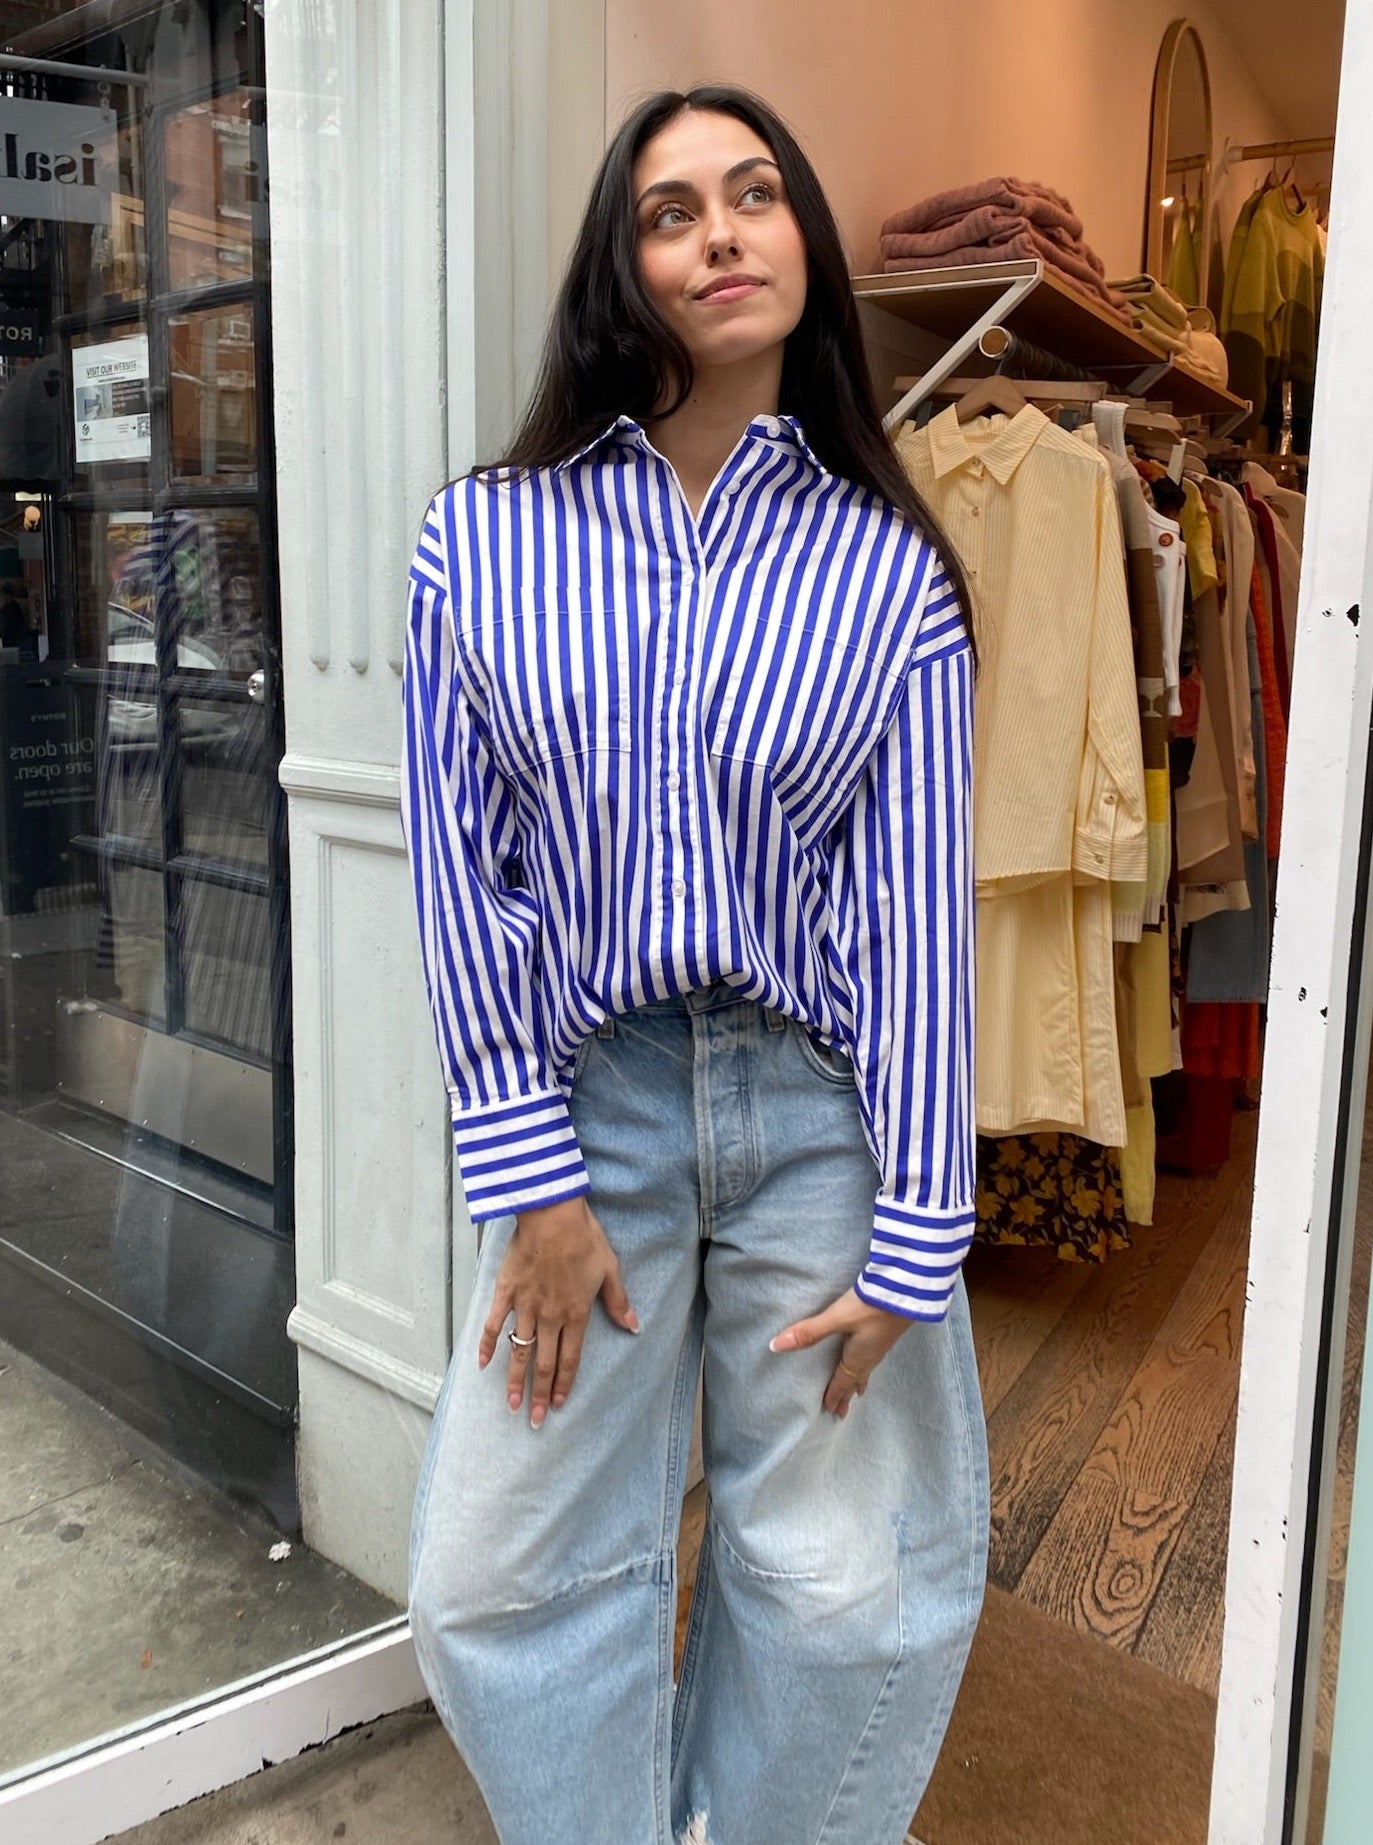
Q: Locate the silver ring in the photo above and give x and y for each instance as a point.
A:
(514, 1340)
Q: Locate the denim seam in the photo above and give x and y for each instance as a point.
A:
(596, 1579)
(691, 1647)
(665, 1729)
(751, 1569)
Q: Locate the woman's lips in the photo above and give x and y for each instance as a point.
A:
(735, 293)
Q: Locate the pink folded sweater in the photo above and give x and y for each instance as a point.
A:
(1027, 243)
(1040, 204)
(984, 224)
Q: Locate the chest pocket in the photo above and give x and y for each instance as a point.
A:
(553, 682)
(809, 711)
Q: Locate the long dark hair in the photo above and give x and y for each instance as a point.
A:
(609, 352)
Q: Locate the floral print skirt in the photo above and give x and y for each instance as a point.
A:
(1051, 1189)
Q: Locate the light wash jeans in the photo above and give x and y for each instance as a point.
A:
(842, 1565)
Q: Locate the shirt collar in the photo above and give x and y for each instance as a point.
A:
(782, 429)
(1002, 453)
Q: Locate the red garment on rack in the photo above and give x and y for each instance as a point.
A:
(1263, 522)
(1274, 724)
(1221, 1038)
(1205, 1116)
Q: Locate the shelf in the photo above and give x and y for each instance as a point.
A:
(1050, 312)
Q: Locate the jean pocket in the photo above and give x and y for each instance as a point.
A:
(827, 1061)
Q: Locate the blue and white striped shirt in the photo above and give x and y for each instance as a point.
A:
(644, 751)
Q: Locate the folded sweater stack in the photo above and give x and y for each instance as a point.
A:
(996, 220)
(1189, 334)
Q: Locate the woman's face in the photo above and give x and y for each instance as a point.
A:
(710, 203)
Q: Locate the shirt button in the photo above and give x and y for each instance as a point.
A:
(679, 675)
(679, 886)
(773, 427)
(674, 780)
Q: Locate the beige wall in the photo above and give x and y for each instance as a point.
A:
(893, 101)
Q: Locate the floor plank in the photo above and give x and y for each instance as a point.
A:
(1018, 1299)
(1181, 1632)
(1103, 1555)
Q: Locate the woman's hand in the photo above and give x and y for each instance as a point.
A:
(869, 1333)
(557, 1262)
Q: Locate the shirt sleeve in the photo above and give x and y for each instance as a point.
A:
(513, 1134)
(902, 907)
(1111, 830)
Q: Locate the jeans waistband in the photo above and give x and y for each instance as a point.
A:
(712, 998)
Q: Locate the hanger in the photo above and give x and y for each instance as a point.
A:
(996, 392)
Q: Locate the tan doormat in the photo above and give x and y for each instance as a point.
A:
(1060, 1739)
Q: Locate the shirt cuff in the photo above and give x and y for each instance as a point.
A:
(518, 1155)
(914, 1259)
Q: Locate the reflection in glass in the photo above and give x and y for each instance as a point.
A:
(215, 204)
(226, 794)
(214, 404)
(228, 958)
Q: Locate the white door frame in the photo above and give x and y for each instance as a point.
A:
(1304, 1062)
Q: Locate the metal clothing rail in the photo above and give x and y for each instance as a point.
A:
(1273, 150)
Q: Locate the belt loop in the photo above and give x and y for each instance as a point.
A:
(776, 1020)
(606, 1028)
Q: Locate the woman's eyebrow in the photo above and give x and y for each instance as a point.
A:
(685, 186)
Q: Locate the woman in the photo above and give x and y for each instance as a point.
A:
(686, 793)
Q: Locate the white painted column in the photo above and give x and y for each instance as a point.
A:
(410, 144)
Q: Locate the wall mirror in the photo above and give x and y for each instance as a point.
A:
(1178, 203)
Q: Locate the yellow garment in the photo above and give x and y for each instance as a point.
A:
(1048, 1052)
(1196, 531)
(1149, 967)
(1058, 769)
(1272, 296)
(1184, 277)
(1137, 1168)
(1058, 779)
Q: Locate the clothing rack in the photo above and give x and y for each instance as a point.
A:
(1234, 155)
(1017, 357)
(961, 304)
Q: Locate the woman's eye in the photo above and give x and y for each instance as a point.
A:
(760, 185)
(656, 220)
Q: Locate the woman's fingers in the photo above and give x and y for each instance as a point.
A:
(545, 1364)
(520, 1356)
(569, 1357)
(495, 1319)
(847, 1381)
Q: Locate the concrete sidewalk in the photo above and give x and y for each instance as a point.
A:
(398, 1781)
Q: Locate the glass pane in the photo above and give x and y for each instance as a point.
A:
(215, 205)
(214, 402)
(148, 1384)
(228, 946)
(228, 782)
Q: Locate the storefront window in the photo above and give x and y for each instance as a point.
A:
(147, 1382)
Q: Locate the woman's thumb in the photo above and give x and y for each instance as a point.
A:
(617, 1301)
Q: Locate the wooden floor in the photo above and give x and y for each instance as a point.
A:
(1110, 1392)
